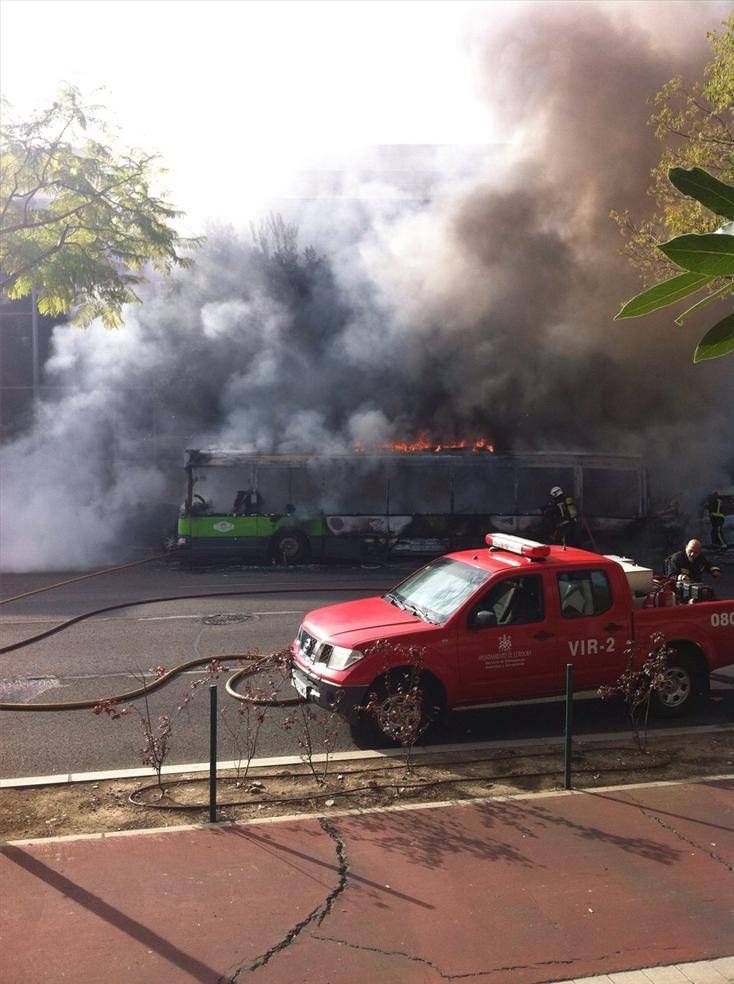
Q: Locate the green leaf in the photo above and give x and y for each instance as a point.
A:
(705, 188)
(712, 253)
(663, 294)
(717, 294)
(717, 341)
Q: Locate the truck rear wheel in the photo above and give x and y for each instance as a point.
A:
(680, 688)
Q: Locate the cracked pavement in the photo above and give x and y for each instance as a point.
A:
(522, 890)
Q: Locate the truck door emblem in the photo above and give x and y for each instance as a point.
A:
(223, 527)
(505, 644)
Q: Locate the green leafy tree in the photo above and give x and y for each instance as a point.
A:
(695, 125)
(78, 221)
(707, 258)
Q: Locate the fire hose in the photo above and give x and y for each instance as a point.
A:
(83, 577)
(136, 796)
(166, 677)
(258, 663)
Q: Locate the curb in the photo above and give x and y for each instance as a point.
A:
(364, 811)
(615, 737)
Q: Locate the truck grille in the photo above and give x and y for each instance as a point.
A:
(307, 645)
(310, 649)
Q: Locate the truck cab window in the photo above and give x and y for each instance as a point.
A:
(514, 601)
(584, 593)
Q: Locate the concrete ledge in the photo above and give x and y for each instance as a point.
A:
(580, 741)
(364, 811)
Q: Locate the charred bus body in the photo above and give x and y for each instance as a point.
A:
(361, 506)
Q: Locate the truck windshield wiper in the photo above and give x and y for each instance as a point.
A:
(415, 610)
(394, 600)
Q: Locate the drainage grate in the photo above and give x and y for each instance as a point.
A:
(225, 618)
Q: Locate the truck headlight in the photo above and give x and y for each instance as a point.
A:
(341, 658)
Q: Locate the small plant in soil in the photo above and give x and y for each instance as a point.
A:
(637, 685)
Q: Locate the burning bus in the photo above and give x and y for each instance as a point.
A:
(371, 505)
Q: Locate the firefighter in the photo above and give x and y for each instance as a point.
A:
(715, 508)
(690, 564)
(561, 518)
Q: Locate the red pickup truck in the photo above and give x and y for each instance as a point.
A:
(501, 624)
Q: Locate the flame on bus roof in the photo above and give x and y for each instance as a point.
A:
(423, 442)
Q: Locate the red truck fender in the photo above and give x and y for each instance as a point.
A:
(704, 632)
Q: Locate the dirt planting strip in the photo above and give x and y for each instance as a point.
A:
(105, 805)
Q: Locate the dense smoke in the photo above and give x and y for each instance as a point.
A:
(483, 309)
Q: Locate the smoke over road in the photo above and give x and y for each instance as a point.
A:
(485, 310)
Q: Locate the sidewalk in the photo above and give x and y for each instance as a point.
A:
(518, 891)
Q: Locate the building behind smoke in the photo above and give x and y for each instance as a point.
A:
(17, 364)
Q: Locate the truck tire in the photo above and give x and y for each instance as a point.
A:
(290, 547)
(681, 687)
(395, 712)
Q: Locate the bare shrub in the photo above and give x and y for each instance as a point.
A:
(637, 685)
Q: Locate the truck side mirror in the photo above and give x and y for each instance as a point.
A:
(483, 619)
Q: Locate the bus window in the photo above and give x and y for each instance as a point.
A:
(420, 486)
(611, 492)
(534, 485)
(354, 485)
(482, 486)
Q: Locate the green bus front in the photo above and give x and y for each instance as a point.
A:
(284, 538)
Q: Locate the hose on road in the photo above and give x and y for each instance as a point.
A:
(83, 577)
(260, 662)
(158, 682)
(185, 597)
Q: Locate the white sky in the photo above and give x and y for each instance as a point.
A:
(238, 95)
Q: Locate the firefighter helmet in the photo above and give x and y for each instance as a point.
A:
(556, 491)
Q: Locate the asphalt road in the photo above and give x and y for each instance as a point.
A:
(111, 653)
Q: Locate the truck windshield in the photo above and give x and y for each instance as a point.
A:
(436, 591)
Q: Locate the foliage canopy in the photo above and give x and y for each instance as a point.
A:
(697, 126)
(78, 220)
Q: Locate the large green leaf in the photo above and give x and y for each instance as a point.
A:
(705, 188)
(712, 253)
(663, 294)
(717, 341)
(716, 296)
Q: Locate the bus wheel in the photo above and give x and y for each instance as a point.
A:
(290, 547)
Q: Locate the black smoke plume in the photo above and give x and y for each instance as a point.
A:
(483, 310)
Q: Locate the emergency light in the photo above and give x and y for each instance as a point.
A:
(517, 545)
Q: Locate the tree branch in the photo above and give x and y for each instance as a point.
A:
(10, 279)
(97, 195)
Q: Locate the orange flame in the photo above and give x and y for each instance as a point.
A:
(424, 443)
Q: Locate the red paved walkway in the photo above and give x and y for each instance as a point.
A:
(519, 891)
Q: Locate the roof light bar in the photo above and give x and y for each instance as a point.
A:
(517, 545)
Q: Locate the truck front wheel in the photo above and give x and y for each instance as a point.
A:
(680, 686)
(398, 711)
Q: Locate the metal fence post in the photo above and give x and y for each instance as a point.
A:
(212, 753)
(569, 727)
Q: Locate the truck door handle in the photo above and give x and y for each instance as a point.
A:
(613, 627)
(543, 635)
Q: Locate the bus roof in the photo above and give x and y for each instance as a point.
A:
(221, 457)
